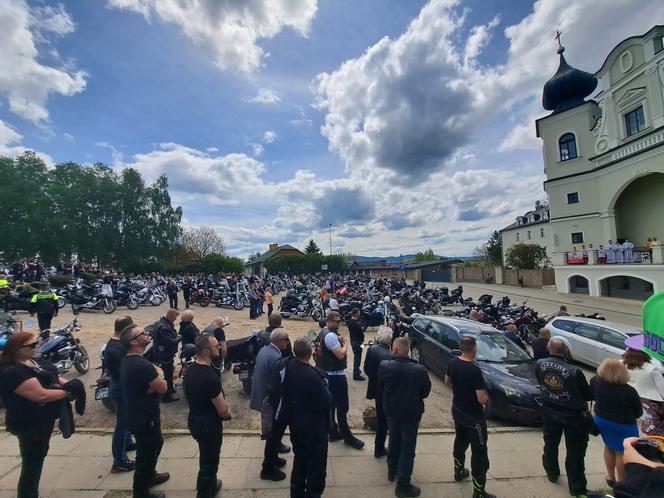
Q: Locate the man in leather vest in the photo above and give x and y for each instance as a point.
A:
(332, 360)
(166, 342)
(565, 396)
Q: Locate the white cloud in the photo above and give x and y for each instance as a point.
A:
(229, 29)
(68, 137)
(212, 149)
(264, 96)
(269, 137)
(479, 37)
(257, 149)
(116, 154)
(24, 80)
(10, 144)
(8, 135)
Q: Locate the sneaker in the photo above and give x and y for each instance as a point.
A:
(380, 453)
(461, 474)
(406, 490)
(482, 494)
(127, 466)
(284, 448)
(353, 442)
(159, 478)
(272, 475)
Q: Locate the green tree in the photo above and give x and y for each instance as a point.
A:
(526, 257)
(203, 240)
(312, 248)
(494, 249)
(427, 255)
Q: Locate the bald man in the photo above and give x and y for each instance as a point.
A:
(403, 385)
(565, 396)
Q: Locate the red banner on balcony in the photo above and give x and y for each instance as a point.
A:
(577, 258)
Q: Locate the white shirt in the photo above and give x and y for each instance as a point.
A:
(334, 304)
(648, 382)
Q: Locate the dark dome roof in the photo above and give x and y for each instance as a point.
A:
(568, 88)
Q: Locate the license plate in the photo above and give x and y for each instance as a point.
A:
(102, 393)
(178, 387)
(244, 375)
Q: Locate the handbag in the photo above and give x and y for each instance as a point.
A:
(588, 422)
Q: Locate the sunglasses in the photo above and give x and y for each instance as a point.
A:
(32, 345)
(137, 336)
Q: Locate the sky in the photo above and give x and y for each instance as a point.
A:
(398, 125)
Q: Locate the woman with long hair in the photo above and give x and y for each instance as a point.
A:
(648, 380)
(31, 390)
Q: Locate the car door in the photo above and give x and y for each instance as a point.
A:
(586, 343)
(421, 328)
(451, 342)
(612, 344)
(439, 352)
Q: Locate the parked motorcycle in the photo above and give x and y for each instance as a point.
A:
(200, 297)
(92, 298)
(301, 306)
(63, 349)
(241, 354)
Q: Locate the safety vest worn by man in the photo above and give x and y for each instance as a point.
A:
(44, 302)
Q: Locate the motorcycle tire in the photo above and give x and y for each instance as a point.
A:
(83, 365)
(75, 309)
(238, 305)
(316, 315)
(205, 302)
(155, 301)
(109, 404)
(110, 307)
(62, 302)
(133, 304)
(415, 354)
(246, 386)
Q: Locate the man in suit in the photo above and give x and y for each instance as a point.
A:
(166, 342)
(379, 351)
(266, 360)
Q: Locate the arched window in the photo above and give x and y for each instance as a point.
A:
(567, 145)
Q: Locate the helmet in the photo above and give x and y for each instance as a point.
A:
(387, 299)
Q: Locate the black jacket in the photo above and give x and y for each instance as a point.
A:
(355, 330)
(165, 340)
(564, 388)
(188, 332)
(403, 385)
(308, 401)
(376, 353)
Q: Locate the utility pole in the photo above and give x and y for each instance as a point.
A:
(330, 239)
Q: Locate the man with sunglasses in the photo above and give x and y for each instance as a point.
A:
(143, 384)
(207, 409)
(331, 358)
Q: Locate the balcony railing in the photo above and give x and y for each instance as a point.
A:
(638, 255)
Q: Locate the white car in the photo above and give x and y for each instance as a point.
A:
(591, 341)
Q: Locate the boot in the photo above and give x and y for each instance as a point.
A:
(406, 490)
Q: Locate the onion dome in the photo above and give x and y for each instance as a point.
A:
(568, 88)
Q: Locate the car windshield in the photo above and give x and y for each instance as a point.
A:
(495, 347)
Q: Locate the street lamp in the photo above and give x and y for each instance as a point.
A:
(331, 225)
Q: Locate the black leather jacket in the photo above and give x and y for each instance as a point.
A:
(564, 387)
(376, 353)
(403, 386)
(165, 340)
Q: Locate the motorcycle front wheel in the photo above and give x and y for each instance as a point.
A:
(238, 305)
(132, 304)
(205, 302)
(62, 302)
(82, 366)
(316, 315)
(109, 306)
(75, 309)
(155, 301)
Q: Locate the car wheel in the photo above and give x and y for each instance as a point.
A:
(415, 354)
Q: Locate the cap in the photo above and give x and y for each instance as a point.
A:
(635, 342)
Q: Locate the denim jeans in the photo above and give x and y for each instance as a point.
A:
(121, 435)
(401, 451)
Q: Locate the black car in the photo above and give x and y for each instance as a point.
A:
(509, 371)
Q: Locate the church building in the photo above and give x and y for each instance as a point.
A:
(604, 166)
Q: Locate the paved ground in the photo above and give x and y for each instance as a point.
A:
(78, 467)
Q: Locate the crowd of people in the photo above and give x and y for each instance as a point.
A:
(619, 252)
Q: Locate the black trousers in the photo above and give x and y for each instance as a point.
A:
(272, 443)
(338, 415)
(381, 426)
(33, 446)
(252, 308)
(187, 298)
(173, 300)
(270, 307)
(169, 369)
(148, 447)
(576, 441)
(44, 320)
(209, 434)
(309, 464)
(475, 436)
